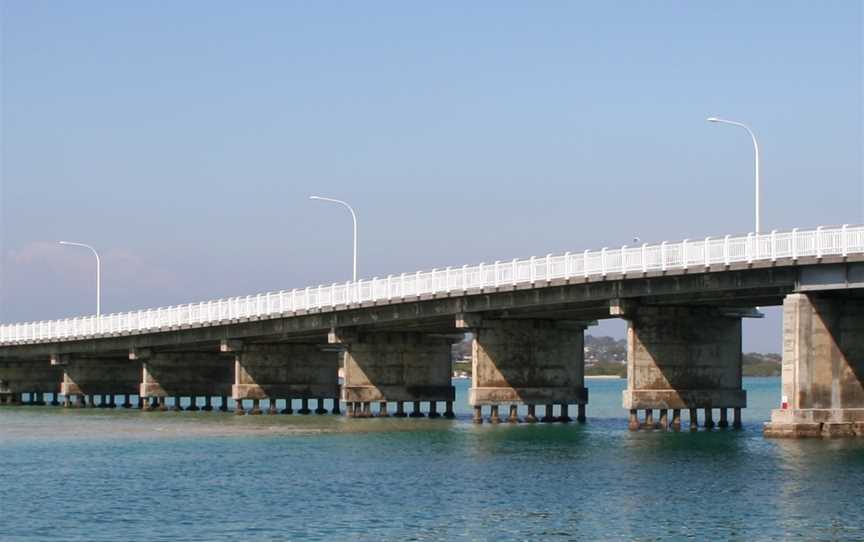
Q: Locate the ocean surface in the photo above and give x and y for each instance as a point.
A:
(99, 474)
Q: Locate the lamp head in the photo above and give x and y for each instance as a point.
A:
(713, 119)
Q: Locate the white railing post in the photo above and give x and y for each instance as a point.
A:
(663, 256)
(644, 256)
(844, 241)
(773, 245)
(795, 244)
(585, 263)
(707, 252)
(568, 268)
(465, 278)
(495, 282)
(818, 241)
(623, 260)
(726, 261)
(684, 253)
(749, 248)
(603, 261)
(515, 266)
(548, 267)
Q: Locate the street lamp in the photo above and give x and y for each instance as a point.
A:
(98, 274)
(756, 148)
(353, 217)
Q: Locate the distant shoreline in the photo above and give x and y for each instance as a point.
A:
(603, 376)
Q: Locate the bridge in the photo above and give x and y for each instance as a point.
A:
(684, 303)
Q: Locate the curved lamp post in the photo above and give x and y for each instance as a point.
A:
(756, 148)
(353, 217)
(98, 274)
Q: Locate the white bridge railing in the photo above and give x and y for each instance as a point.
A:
(823, 241)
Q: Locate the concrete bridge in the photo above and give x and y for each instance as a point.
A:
(684, 303)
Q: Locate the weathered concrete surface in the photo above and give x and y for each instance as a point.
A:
(395, 366)
(173, 374)
(529, 362)
(29, 376)
(92, 376)
(270, 371)
(683, 357)
(823, 367)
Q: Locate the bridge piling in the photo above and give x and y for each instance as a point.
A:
(527, 362)
(683, 357)
(398, 366)
(823, 365)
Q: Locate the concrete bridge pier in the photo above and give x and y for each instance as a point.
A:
(526, 362)
(823, 366)
(94, 376)
(681, 357)
(31, 377)
(177, 374)
(396, 366)
(286, 371)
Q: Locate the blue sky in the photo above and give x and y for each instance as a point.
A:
(183, 138)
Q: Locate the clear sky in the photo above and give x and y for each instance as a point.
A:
(184, 138)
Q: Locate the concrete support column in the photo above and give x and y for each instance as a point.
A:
(823, 366)
(321, 410)
(664, 419)
(448, 413)
(526, 362)
(289, 410)
(433, 410)
(208, 404)
(676, 419)
(514, 414)
(271, 409)
(683, 358)
(296, 370)
(395, 366)
(549, 417)
(649, 419)
(736, 420)
(183, 374)
(33, 376)
(531, 417)
(335, 409)
(478, 414)
(724, 422)
(400, 409)
(493, 414)
(564, 417)
(382, 410)
(694, 419)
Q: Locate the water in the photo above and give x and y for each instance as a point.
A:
(122, 475)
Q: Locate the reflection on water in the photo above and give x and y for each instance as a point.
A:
(108, 475)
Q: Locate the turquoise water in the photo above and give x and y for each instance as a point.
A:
(120, 475)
